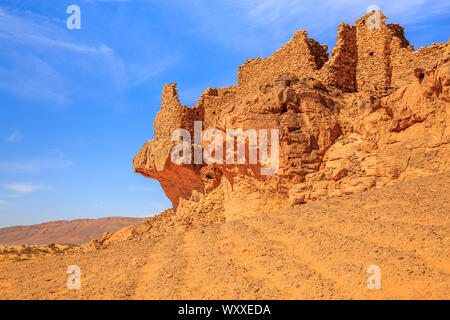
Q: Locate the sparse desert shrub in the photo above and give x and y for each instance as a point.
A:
(18, 259)
(27, 250)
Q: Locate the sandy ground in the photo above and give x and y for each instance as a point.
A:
(320, 250)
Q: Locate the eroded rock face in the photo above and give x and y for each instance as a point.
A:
(375, 113)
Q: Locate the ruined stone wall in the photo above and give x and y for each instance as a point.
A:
(408, 64)
(376, 59)
(173, 114)
(373, 71)
(340, 70)
(386, 60)
(301, 56)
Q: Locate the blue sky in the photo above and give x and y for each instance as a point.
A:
(76, 105)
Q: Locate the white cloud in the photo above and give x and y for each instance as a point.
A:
(29, 76)
(24, 188)
(15, 136)
(33, 165)
(8, 196)
(25, 30)
(29, 73)
(31, 41)
(255, 24)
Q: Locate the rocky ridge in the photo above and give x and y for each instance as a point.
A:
(373, 114)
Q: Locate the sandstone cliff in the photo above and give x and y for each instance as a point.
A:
(375, 113)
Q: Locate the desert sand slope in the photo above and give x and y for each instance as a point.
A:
(76, 231)
(318, 250)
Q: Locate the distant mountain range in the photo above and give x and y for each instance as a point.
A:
(74, 232)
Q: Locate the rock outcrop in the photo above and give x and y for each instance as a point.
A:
(375, 113)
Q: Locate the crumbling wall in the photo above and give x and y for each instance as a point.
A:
(173, 114)
(301, 56)
(373, 70)
(340, 70)
(408, 64)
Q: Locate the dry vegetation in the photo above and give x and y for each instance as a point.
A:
(16, 253)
